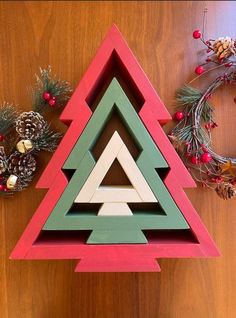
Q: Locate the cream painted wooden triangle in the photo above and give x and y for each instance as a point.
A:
(115, 198)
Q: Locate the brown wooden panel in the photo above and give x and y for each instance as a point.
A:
(66, 35)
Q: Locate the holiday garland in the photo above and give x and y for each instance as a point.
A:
(24, 135)
(192, 135)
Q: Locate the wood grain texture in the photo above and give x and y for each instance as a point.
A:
(67, 35)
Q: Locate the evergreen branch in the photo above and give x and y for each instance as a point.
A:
(58, 89)
(8, 115)
(48, 141)
(187, 96)
(207, 112)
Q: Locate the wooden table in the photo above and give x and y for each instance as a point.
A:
(66, 36)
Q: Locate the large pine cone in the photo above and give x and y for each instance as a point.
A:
(225, 190)
(3, 161)
(21, 165)
(30, 125)
(224, 47)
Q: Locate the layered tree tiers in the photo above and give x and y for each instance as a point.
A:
(115, 199)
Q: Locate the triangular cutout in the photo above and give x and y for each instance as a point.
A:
(93, 192)
(115, 123)
(115, 68)
(115, 175)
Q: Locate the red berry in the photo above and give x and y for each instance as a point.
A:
(206, 157)
(208, 59)
(199, 69)
(208, 50)
(219, 179)
(179, 115)
(208, 126)
(2, 137)
(194, 160)
(208, 96)
(52, 101)
(214, 179)
(197, 34)
(2, 187)
(204, 149)
(214, 125)
(46, 95)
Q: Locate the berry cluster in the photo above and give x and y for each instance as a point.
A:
(51, 100)
(220, 51)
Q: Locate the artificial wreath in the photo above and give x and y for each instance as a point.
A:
(24, 135)
(192, 134)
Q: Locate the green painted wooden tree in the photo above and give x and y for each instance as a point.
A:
(118, 226)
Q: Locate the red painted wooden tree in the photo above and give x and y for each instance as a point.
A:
(114, 58)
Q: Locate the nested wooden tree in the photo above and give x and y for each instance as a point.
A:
(59, 227)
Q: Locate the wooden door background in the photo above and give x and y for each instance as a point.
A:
(66, 35)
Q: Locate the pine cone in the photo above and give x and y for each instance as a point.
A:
(224, 47)
(225, 190)
(30, 125)
(23, 166)
(3, 160)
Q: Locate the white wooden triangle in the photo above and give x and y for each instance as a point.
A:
(93, 192)
(115, 209)
(115, 194)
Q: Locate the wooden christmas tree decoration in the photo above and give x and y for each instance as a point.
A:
(81, 158)
(178, 231)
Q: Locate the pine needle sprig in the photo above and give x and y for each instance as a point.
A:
(187, 96)
(207, 112)
(8, 115)
(58, 89)
(48, 141)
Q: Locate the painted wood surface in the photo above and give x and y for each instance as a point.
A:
(114, 99)
(29, 32)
